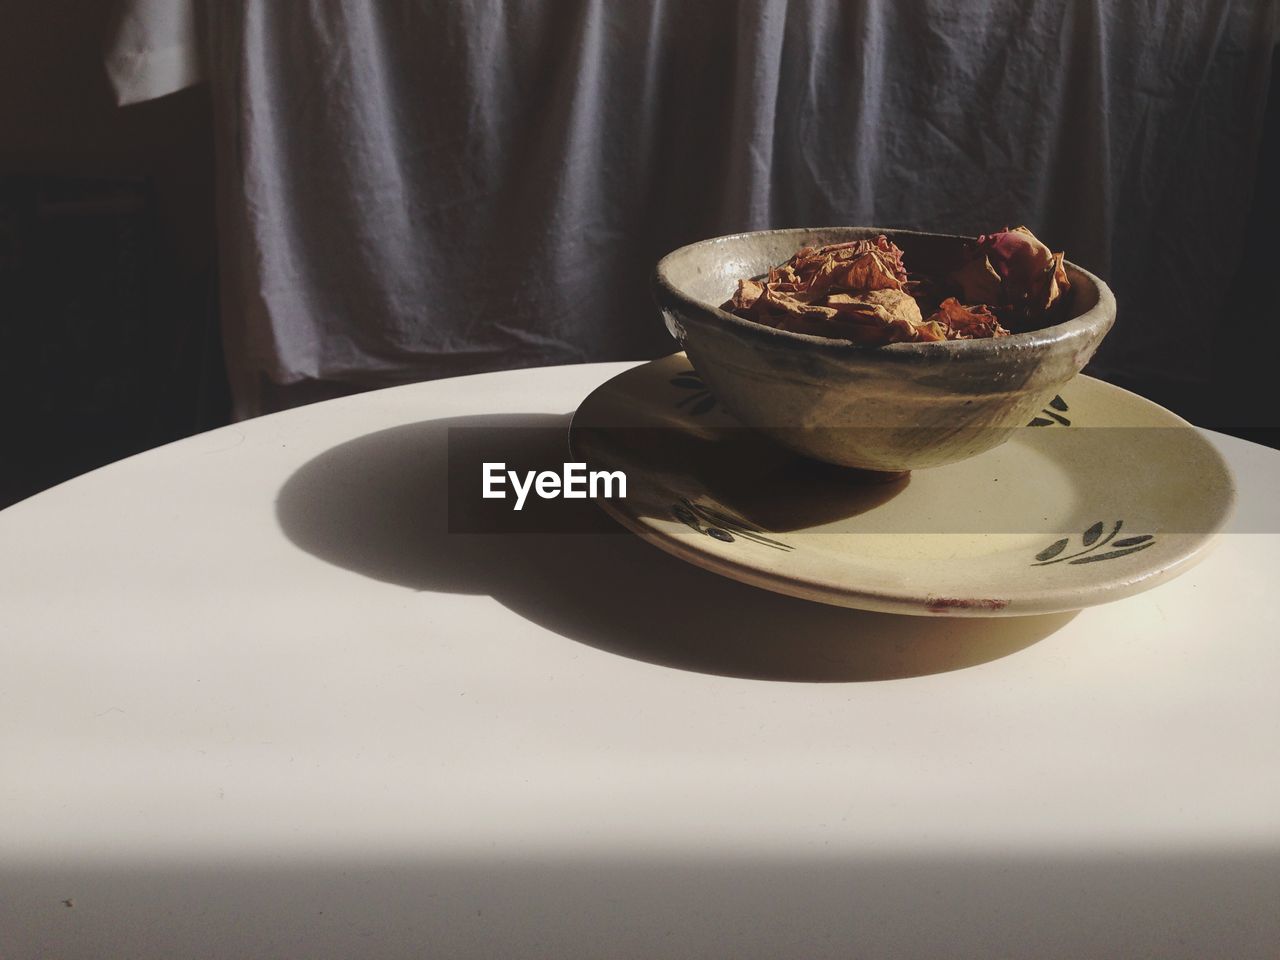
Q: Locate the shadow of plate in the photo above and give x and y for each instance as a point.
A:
(403, 506)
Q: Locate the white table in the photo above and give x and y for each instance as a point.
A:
(256, 701)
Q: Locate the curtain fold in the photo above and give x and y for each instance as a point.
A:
(422, 188)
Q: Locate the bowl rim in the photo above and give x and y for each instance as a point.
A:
(1102, 313)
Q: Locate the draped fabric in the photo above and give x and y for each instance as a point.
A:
(423, 188)
(154, 49)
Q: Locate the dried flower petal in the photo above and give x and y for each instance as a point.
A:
(870, 271)
(967, 323)
(1016, 254)
(860, 291)
(788, 305)
(749, 291)
(1031, 275)
(878, 317)
(1054, 284)
(978, 281)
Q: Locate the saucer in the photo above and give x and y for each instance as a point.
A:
(1101, 496)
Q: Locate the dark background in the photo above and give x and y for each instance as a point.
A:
(109, 341)
(108, 334)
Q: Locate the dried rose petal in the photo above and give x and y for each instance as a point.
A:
(871, 271)
(978, 281)
(931, 330)
(1053, 285)
(889, 251)
(810, 263)
(1031, 275)
(1016, 255)
(967, 323)
(791, 306)
(859, 290)
(877, 316)
(749, 291)
(784, 274)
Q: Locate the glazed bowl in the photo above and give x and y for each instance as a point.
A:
(890, 409)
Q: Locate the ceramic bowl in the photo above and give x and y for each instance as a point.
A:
(893, 408)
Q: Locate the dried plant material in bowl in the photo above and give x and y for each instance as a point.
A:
(861, 291)
(1016, 274)
(885, 350)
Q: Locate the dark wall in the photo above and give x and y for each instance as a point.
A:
(108, 340)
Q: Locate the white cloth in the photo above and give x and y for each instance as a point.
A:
(153, 50)
(419, 188)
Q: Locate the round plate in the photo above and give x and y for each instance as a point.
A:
(1104, 494)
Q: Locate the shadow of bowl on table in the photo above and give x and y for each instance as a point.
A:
(742, 468)
(403, 506)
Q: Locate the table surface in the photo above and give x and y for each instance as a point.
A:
(257, 700)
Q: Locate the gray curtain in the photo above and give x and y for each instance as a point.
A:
(419, 188)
